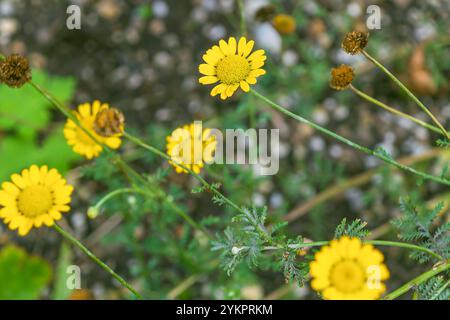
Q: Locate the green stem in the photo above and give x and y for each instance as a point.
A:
(115, 193)
(408, 92)
(394, 111)
(373, 242)
(418, 280)
(404, 245)
(351, 143)
(85, 250)
(243, 25)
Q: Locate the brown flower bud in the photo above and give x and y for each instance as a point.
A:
(341, 77)
(109, 122)
(15, 71)
(355, 41)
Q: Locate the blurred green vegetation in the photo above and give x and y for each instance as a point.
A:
(28, 133)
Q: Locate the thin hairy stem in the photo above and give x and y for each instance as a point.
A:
(395, 111)
(408, 92)
(94, 258)
(418, 280)
(350, 143)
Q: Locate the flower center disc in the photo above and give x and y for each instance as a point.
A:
(233, 69)
(34, 201)
(347, 276)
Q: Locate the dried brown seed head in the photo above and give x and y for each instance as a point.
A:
(355, 41)
(341, 77)
(15, 71)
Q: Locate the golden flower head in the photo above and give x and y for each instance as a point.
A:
(232, 65)
(284, 23)
(355, 41)
(35, 197)
(79, 140)
(341, 77)
(265, 13)
(109, 122)
(15, 71)
(347, 269)
(191, 146)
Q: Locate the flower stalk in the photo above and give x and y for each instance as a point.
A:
(94, 258)
(394, 111)
(418, 280)
(408, 92)
(351, 143)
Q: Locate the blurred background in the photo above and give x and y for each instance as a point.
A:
(142, 57)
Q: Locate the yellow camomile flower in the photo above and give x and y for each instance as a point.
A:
(347, 269)
(79, 140)
(191, 146)
(35, 197)
(232, 65)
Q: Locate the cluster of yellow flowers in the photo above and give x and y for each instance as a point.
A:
(345, 269)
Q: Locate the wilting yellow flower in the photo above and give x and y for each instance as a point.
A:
(341, 77)
(79, 140)
(347, 269)
(284, 23)
(35, 197)
(109, 122)
(191, 146)
(232, 65)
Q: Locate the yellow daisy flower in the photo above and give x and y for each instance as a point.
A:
(199, 144)
(232, 65)
(82, 143)
(346, 269)
(35, 197)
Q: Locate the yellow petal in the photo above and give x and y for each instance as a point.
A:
(113, 142)
(250, 80)
(208, 80)
(231, 89)
(244, 86)
(35, 176)
(218, 89)
(10, 188)
(232, 45)
(25, 227)
(223, 47)
(248, 48)
(256, 64)
(256, 54)
(256, 73)
(95, 107)
(241, 45)
(84, 110)
(6, 199)
(19, 181)
(207, 69)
